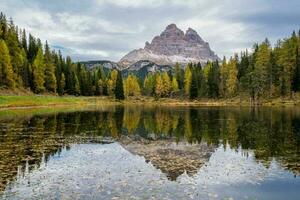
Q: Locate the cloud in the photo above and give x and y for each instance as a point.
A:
(104, 29)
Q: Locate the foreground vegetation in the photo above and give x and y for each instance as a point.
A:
(52, 102)
(265, 73)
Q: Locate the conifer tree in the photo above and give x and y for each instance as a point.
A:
(119, 90)
(17, 59)
(223, 77)
(149, 84)
(187, 80)
(50, 79)
(231, 83)
(131, 86)
(213, 80)
(62, 84)
(38, 71)
(111, 84)
(166, 84)
(159, 86)
(6, 71)
(296, 75)
(179, 75)
(175, 87)
(193, 85)
(260, 72)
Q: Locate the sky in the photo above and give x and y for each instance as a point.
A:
(108, 29)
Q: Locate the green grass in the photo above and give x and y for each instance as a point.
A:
(15, 101)
(43, 100)
(19, 101)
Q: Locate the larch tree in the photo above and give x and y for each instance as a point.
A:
(159, 86)
(223, 77)
(131, 86)
(111, 84)
(38, 71)
(166, 84)
(175, 86)
(6, 70)
(260, 73)
(149, 84)
(187, 80)
(232, 81)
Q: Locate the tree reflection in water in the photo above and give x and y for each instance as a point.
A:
(27, 141)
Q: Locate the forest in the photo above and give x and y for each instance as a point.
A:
(263, 72)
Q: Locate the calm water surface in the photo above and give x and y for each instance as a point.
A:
(151, 153)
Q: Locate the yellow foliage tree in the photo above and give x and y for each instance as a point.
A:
(232, 81)
(111, 83)
(131, 86)
(187, 80)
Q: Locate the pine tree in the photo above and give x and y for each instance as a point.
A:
(194, 85)
(119, 90)
(179, 75)
(62, 84)
(213, 80)
(24, 40)
(32, 49)
(296, 74)
(38, 70)
(50, 79)
(201, 82)
(3, 26)
(6, 71)
(76, 85)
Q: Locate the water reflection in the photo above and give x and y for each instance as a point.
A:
(174, 140)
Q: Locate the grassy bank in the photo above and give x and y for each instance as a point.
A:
(50, 101)
(56, 101)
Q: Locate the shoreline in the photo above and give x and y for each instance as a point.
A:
(46, 101)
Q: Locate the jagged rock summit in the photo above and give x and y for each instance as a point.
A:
(171, 46)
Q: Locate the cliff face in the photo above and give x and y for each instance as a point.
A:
(171, 46)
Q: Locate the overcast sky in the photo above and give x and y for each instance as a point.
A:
(108, 29)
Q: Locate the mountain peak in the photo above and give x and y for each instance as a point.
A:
(171, 46)
(171, 31)
(171, 26)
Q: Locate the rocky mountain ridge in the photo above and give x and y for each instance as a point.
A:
(171, 46)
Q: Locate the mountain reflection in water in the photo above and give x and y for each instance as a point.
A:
(178, 142)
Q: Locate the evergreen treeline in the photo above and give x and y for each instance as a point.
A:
(26, 63)
(267, 72)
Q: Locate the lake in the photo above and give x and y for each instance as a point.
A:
(144, 152)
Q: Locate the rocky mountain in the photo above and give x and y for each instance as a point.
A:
(171, 46)
(101, 63)
(143, 67)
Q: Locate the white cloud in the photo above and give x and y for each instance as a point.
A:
(108, 29)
